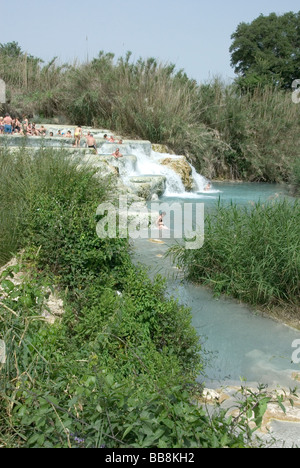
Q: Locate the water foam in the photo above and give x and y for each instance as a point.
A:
(150, 165)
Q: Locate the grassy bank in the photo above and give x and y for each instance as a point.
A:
(252, 254)
(225, 133)
(119, 368)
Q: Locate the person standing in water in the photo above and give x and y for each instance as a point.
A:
(91, 142)
(7, 121)
(77, 135)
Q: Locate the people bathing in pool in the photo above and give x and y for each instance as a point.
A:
(7, 124)
(78, 135)
(91, 142)
(117, 154)
(112, 139)
(13, 125)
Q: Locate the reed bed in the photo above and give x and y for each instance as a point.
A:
(252, 254)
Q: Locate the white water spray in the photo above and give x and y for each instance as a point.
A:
(151, 166)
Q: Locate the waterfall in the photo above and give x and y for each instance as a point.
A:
(150, 165)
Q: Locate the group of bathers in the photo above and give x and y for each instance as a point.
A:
(6, 124)
(9, 125)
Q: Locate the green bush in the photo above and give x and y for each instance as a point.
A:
(78, 383)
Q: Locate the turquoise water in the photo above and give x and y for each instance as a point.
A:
(240, 342)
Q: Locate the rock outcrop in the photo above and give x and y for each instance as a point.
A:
(147, 186)
(181, 166)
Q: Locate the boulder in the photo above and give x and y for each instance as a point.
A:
(158, 148)
(182, 168)
(147, 186)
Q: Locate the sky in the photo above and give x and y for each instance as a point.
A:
(194, 35)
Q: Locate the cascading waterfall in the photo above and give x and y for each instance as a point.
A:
(151, 166)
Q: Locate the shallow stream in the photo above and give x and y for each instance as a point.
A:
(240, 342)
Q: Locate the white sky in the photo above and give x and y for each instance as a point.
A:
(192, 34)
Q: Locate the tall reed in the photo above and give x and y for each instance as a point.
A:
(252, 253)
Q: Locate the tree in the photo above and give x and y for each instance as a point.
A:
(267, 51)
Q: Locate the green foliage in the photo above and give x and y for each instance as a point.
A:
(11, 49)
(118, 369)
(266, 51)
(295, 177)
(60, 388)
(249, 253)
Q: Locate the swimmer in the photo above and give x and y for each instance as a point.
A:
(160, 222)
(90, 141)
(42, 131)
(207, 187)
(17, 125)
(117, 154)
(25, 124)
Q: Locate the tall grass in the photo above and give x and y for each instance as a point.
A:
(113, 355)
(295, 178)
(252, 254)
